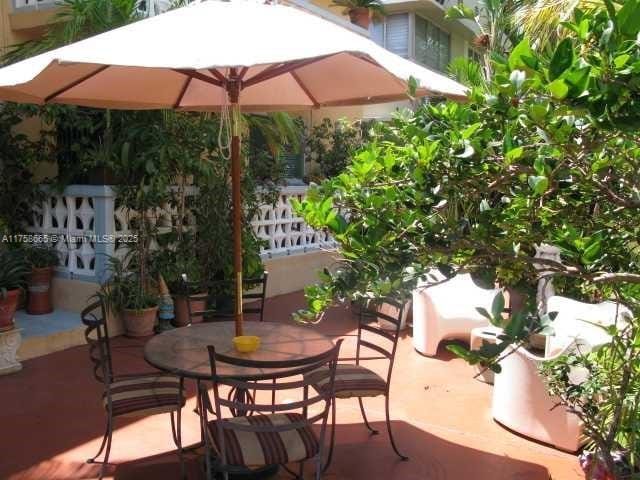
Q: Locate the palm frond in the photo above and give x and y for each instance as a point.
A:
(466, 71)
(76, 20)
(541, 19)
(277, 129)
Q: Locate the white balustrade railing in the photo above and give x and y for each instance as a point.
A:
(164, 219)
(68, 222)
(285, 232)
(87, 226)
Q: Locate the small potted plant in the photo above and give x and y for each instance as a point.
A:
(360, 11)
(139, 310)
(41, 260)
(13, 272)
(131, 297)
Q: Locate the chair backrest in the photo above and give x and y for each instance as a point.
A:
(286, 375)
(379, 331)
(201, 304)
(94, 317)
(579, 323)
(256, 291)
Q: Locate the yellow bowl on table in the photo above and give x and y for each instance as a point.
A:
(246, 343)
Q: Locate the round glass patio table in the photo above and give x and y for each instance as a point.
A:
(183, 351)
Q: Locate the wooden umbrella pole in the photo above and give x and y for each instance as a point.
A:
(233, 88)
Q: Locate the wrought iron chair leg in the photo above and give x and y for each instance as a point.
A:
(364, 417)
(393, 443)
(273, 398)
(319, 469)
(105, 461)
(332, 438)
(179, 445)
(179, 440)
(174, 433)
(102, 445)
(203, 432)
(207, 460)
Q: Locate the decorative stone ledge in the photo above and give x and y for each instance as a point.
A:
(9, 344)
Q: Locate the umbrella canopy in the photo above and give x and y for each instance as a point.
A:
(209, 55)
(288, 59)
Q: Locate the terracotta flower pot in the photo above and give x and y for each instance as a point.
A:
(361, 17)
(39, 291)
(139, 323)
(8, 307)
(181, 310)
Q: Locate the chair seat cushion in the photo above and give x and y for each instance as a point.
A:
(144, 395)
(351, 381)
(265, 448)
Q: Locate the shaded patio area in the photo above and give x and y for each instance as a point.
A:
(52, 420)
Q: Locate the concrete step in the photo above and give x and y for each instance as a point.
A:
(48, 333)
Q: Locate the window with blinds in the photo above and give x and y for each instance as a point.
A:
(433, 45)
(397, 34)
(392, 33)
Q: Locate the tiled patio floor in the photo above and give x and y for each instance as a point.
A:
(51, 420)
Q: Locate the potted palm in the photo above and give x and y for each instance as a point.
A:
(13, 271)
(41, 260)
(360, 11)
(131, 297)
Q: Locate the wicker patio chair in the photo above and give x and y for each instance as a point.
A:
(380, 322)
(270, 433)
(128, 395)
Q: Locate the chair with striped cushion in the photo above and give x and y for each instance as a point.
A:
(268, 433)
(128, 395)
(380, 321)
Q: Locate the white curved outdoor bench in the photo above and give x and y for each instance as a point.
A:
(448, 311)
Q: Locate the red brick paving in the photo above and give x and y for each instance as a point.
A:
(51, 420)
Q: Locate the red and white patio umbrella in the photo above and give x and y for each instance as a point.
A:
(213, 55)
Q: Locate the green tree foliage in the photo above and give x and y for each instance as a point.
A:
(330, 145)
(602, 388)
(547, 153)
(162, 154)
(495, 22)
(17, 156)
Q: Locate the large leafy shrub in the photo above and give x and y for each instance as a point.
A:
(330, 145)
(547, 153)
(161, 156)
(18, 154)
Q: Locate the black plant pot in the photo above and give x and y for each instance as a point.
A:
(101, 176)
